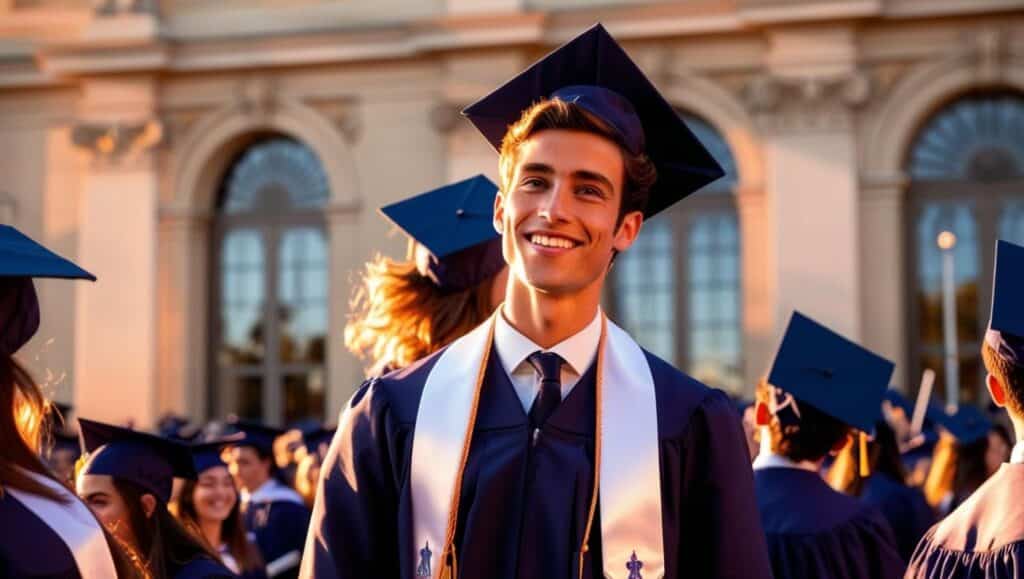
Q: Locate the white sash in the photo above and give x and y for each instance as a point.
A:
(630, 480)
(74, 524)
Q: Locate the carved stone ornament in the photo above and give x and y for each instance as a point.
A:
(115, 7)
(117, 141)
(807, 103)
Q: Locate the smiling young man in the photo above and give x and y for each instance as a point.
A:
(546, 443)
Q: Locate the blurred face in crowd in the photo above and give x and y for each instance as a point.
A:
(62, 461)
(101, 496)
(997, 452)
(249, 470)
(215, 494)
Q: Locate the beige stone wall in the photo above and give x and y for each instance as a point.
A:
(818, 101)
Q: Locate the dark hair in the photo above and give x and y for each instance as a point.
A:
(809, 437)
(232, 528)
(971, 468)
(1009, 375)
(639, 171)
(161, 542)
(883, 458)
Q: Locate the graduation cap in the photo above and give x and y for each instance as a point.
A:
(65, 441)
(314, 439)
(898, 400)
(22, 259)
(1006, 326)
(457, 245)
(967, 425)
(838, 377)
(595, 73)
(255, 435)
(207, 455)
(147, 460)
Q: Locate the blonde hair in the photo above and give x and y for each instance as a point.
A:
(399, 315)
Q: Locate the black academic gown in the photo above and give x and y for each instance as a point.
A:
(523, 507)
(29, 547)
(201, 568)
(280, 529)
(983, 538)
(904, 507)
(815, 532)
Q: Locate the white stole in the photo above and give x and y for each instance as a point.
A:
(74, 523)
(629, 473)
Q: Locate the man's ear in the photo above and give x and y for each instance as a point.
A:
(148, 504)
(628, 230)
(762, 416)
(996, 389)
(499, 213)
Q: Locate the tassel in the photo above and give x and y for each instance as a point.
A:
(865, 467)
(448, 570)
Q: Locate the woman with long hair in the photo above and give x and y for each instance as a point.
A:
(452, 279)
(959, 463)
(126, 480)
(45, 531)
(209, 508)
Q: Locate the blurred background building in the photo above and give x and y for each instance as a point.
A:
(218, 164)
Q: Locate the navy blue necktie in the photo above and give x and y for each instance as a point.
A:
(549, 366)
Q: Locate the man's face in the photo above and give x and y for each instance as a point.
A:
(249, 470)
(558, 218)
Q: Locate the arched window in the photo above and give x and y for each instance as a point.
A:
(967, 176)
(677, 290)
(270, 277)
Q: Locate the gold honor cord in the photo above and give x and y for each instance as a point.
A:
(449, 560)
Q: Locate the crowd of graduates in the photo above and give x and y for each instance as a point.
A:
(453, 462)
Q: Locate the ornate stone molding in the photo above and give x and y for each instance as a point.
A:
(807, 103)
(257, 96)
(106, 8)
(115, 143)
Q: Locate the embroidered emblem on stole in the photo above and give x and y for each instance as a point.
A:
(634, 565)
(423, 569)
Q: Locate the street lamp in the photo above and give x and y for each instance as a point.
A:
(947, 242)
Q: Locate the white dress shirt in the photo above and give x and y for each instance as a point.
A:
(1017, 456)
(513, 349)
(768, 459)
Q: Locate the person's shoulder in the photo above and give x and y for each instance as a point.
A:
(203, 568)
(680, 397)
(399, 391)
(991, 518)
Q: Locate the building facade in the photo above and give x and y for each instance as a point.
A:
(218, 165)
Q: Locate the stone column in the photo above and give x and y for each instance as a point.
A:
(115, 330)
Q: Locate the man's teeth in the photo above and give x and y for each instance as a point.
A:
(546, 241)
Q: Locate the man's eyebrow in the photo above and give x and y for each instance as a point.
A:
(537, 168)
(594, 176)
(91, 496)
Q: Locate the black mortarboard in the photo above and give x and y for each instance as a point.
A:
(256, 435)
(207, 455)
(967, 425)
(22, 259)
(65, 441)
(898, 400)
(147, 460)
(314, 439)
(453, 227)
(836, 376)
(595, 73)
(1006, 326)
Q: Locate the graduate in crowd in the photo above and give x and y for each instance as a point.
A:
(984, 536)
(482, 460)
(307, 475)
(126, 481)
(915, 448)
(450, 282)
(209, 507)
(60, 444)
(959, 464)
(45, 530)
(903, 506)
(273, 511)
(821, 388)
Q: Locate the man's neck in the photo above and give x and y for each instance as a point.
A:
(548, 319)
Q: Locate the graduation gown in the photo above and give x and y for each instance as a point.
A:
(904, 507)
(815, 532)
(201, 568)
(280, 529)
(982, 538)
(29, 547)
(523, 507)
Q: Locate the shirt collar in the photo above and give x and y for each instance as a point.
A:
(768, 459)
(1017, 456)
(578, 350)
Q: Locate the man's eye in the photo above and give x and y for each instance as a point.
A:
(533, 182)
(591, 191)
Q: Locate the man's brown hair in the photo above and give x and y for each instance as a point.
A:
(639, 172)
(809, 437)
(1009, 375)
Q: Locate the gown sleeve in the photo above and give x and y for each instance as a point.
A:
(722, 535)
(932, 561)
(353, 532)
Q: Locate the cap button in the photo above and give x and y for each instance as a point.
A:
(460, 212)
